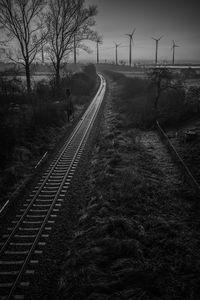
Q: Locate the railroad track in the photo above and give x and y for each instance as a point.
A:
(24, 241)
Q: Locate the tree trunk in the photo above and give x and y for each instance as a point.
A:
(158, 92)
(97, 53)
(28, 77)
(42, 54)
(57, 75)
(75, 50)
(156, 101)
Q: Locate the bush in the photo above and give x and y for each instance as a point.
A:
(136, 102)
(80, 84)
(90, 70)
(49, 114)
(172, 107)
(43, 90)
(118, 77)
(7, 144)
(84, 82)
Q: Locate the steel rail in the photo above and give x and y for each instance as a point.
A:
(49, 174)
(79, 137)
(186, 171)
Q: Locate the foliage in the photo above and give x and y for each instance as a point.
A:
(136, 100)
(64, 20)
(82, 83)
(190, 74)
(31, 123)
(133, 239)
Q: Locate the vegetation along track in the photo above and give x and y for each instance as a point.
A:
(24, 240)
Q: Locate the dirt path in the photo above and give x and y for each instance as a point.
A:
(188, 145)
(162, 159)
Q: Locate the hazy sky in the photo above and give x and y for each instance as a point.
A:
(177, 20)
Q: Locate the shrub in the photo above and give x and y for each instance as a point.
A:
(7, 144)
(80, 84)
(118, 77)
(43, 90)
(90, 71)
(48, 114)
(84, 82)
(172, 107)
(23, 116)
(136, 102)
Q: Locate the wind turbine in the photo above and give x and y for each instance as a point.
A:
(116, 54)
(157, 41)
(173, 49)
(99, 40)
(130, 35)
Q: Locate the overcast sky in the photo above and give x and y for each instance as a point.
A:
(177, 20)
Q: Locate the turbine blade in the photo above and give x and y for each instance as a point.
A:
(133, 31)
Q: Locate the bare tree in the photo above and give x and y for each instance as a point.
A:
(162, 79)
(84, 33)
(64, 20)
(20, 20)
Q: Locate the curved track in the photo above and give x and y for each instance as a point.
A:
(24, 241)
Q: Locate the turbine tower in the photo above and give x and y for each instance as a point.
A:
(116, 52)
(130, 35)
(157, 41)
(99, 40)
(173, 49)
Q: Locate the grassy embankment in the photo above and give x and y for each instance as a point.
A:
(32, 124)
(135, 238)
(136, 102)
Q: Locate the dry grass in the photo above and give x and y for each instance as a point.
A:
(30, 125)
(136, 98)
(132, 240)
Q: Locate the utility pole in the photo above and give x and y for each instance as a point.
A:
(116, 52)
(75, 60)
(173, 49)
(130, 35)
(157, 41)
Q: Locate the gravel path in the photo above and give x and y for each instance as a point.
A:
(188, 146)
(162, 159)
